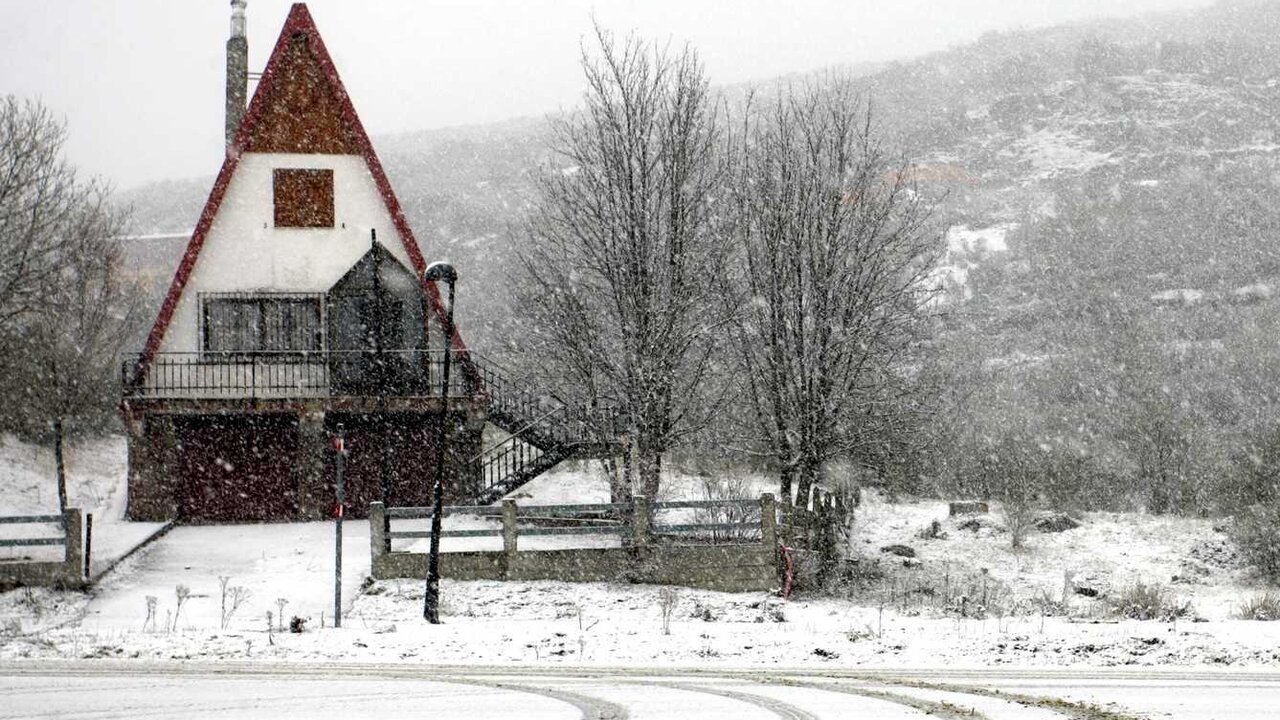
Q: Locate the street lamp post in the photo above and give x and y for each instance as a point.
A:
(431, 605)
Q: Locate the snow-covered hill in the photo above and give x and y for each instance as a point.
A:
(1002, 126)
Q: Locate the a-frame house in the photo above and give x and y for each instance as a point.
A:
(297, 310)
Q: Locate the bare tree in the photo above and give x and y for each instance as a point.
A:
(66, 303)
(834, 281)
(621, 258)
(40, 199)
(1014, 470)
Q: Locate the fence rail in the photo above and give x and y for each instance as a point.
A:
(424, 512)
(715, 554)
(26, 519)
(70, 570)
(635, 520)
(704, 504)
(33, 520)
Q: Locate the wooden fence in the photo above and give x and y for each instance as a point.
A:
(809, 536)
(726, 545)
(808, 524)
(70, 571)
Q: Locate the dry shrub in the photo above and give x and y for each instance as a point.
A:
(1148, 601)
(1260, 606)
(668, 598)
(746, 515)
(1256, 531)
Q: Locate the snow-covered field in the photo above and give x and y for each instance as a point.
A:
(965, 599)
(1191, 558)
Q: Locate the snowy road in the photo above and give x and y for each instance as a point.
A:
(269, 690)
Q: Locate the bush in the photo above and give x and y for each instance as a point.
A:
(1263, 606)
(1256, 531)
(1255, 472)
(1143, 601)
(748, 516)
(807, 571)
(1013, 473)
(933, 531)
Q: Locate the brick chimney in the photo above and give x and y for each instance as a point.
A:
(237, 69)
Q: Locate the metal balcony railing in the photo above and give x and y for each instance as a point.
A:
(263, 375)
(543, 429)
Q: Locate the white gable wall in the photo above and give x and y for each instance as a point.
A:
(245, 252)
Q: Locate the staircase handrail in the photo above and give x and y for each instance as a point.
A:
(549, 429)
(514, 436)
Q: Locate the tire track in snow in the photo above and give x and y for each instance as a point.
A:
(928, 707)
(784, 710)
(993, 706)
(894, 681)
(592, 708)
(1059, 706)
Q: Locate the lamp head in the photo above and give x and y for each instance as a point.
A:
(438, 271)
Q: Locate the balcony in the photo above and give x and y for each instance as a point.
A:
(296, 375)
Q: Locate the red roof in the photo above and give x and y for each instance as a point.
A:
(298, 22)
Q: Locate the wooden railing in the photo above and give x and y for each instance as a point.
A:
(638, 523)
(33, 541)
(544, 430)
(811, 523)
(72, 569)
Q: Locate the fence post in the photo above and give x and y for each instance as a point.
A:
(768, 521)
(88, 542)
(377, 537)
(640, 520)
(824, 519)
(73, 526)
(509, 529)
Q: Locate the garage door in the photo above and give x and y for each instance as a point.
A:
(398, 446)
(236, 468)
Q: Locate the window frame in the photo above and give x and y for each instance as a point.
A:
(261, 300)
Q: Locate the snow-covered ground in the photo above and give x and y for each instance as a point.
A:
(965, 599)
(96, 483)
(538, 623)
(1191, 558)
(95, 469)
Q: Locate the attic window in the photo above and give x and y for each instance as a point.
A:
(303, 198)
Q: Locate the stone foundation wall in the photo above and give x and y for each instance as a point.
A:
(153, 449)
(156, 468)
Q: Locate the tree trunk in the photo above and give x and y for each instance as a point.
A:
(808, 475)
(618, 471)
(786, 481)
(649, 466)
(60, 465)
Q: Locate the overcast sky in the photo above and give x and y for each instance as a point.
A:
(140, 82)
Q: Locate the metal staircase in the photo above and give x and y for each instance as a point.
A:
(542, 432)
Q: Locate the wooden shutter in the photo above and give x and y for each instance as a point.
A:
(303, 198)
